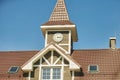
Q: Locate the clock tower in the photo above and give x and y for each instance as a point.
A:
(59, 29)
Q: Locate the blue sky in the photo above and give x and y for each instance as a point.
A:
(20, 21)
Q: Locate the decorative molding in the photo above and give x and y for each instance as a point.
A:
(46, 60)
(57, 60)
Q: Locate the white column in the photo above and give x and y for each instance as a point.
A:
(29, 75)
(73, 73)
(52, 57)
(46, 36)
(40, 72)
(62, 69)
(40, 69)
(69, 42)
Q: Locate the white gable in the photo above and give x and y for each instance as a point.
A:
(28, 66)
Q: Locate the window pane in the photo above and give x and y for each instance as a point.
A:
(46, 73)
(51, 73)
(56, 73)
(93, 68)
(13, 69)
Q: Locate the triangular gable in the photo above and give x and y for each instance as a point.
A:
(28, 66)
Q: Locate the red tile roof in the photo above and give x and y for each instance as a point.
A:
(14, 58)
(108, 61)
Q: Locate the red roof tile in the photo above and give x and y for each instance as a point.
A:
(14, 58)
(107, 59)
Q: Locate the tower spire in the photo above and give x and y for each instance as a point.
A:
(59, 21)
(60, 12)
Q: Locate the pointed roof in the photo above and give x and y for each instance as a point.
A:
(59, 13)
(59, 20)
(73, 64)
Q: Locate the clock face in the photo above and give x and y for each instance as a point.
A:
(57, 37)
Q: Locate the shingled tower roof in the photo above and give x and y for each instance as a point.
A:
(59, 20)
(59, 13)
